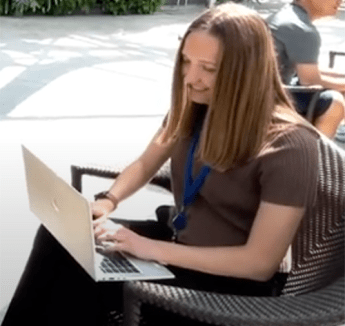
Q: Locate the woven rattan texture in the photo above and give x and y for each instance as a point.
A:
(323, 307)
(318, 251)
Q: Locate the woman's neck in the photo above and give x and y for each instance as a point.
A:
(199, 111)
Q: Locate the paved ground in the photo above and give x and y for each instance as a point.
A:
(86, 89)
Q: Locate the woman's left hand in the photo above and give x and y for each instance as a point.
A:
(119, 238)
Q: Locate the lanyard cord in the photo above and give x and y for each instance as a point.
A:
(191, 186)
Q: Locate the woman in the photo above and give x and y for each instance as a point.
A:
(244, 170)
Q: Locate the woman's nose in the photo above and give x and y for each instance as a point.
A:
(192, 74)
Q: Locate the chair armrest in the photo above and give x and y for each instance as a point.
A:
(316, 89)
(332, 55)
(322, 307)
(162, 178)
(77, 173)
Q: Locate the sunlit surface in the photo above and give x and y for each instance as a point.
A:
(84, 90)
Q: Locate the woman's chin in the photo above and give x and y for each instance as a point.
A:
(199, 100)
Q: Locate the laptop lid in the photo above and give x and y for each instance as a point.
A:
(61, 209)
(67, 215)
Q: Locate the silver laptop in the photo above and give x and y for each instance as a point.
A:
(67, 216)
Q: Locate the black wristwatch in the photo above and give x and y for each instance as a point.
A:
(107, 195)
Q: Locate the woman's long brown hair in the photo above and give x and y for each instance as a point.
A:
(248, 96)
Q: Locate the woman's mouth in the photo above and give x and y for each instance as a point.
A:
(199, 90)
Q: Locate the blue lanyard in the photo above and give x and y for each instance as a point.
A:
(191, 186)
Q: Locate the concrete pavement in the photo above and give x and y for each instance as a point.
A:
(76, 90)
(86, 89)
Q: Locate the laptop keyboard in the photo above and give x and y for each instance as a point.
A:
(117, 263)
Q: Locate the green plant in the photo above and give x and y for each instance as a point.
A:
(144, 6)
(124, 7)
(63, 7)
(17, 7)
(115, 7)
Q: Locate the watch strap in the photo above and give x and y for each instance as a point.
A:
(107, 195)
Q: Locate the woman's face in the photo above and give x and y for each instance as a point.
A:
(200, 61)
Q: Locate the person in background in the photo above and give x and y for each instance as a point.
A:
(244, 168)
(298, 45)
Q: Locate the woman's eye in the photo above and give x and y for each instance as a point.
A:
(209, 69)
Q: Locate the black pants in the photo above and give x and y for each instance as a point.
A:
(55, 290)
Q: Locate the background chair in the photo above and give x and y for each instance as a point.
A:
(315, 88)
(314, 292)
(312, 104)
(333, 54)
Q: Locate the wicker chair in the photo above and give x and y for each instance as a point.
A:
(314, 292)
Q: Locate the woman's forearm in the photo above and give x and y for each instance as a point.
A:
(137, 174)
(258, 259)
(237, 261)
(130, 180)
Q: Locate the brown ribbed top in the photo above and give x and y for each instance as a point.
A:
(284, 173)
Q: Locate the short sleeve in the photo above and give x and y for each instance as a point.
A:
(301, 45)
(289, 169)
